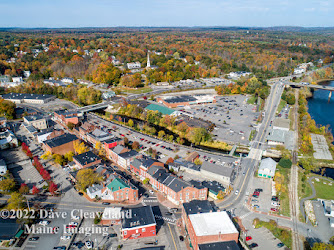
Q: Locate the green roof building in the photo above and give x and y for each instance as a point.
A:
(117, 184)
(163, 110)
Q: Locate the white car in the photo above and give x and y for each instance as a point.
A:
(236, 192)
(65, 237)
(275, 204)
(150, 191)
(44, 223)
(72, 223)
(89, 244)
(75, 217)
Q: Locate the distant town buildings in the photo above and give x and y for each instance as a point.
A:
(133, 65)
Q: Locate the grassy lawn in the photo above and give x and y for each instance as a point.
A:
(251, 135)
(284, 197)
(251, 100)
(281, 105)
(304, 189)
(283, 235)
(324, 191)
(135, 91)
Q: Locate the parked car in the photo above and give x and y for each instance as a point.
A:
(89, 244)
(65, 237)
(181, 238)
(249, 238)
(256, 206)
(44, 222)
(236, 192)
(72, 223)
(34, 239)
(274, 209)
(259, 190)
(280, 245)
(151, 191)
(106, 203)
(275, 204)
(274, 198)
(253, 245)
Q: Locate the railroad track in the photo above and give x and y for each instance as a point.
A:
(294, 207)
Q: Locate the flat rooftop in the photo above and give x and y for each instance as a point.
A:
(20, 96)
(213, 223)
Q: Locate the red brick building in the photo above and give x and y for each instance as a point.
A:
(141, 223)
(65, 116)
(61, 144)
(86, 159)
(120, 190)
(211, 227)
(175, 189)
(112, 153)
(84, 129)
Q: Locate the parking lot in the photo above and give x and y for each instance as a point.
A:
(233, 117)
(263, 203)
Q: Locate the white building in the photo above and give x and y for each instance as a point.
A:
(17, 79)
(3, 167)
(299, 71)
(133, 65)
(267, 168)
(26, 73)
(328, 207)
(67, 80)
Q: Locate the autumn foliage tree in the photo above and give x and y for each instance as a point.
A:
(24, 189)
(52, 187)
(35, 190)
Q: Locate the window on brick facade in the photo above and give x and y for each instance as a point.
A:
(144, 230)
(125, 232)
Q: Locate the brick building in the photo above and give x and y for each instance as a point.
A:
(122, 190)
(140, 224)
(66, 116)
(61, 144)
(211, 227)
(85, 128)
(86, 159)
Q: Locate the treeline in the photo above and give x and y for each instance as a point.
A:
(79, 94)
(254, 86)
(177, 55)
(195, 135)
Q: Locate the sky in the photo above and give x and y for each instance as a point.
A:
(157, 13)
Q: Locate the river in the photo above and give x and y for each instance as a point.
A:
(320, 109)
(322, 112)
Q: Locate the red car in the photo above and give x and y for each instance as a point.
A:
(274, 209)
(256, 193)
(249, 238)
(122, 135)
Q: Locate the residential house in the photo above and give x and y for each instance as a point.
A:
(107, 95)
(267, 168)
(133, 65)
(85, 129)
(140, 224)
(61, 144)
(86, 159)
(67, 80)
(94, 191)
(8, 139)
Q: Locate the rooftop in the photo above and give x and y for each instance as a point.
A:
(141, 216)
(118, 184)
(269, 164)
(198, 206)
(60, 140)
(86, 158)
(33, 118)
(226, 245)
(175, 183)
(217, 169)
(129, 154)
(161, 109)
(212, 223)
(181, 98)
(94, 188)
(20, 96)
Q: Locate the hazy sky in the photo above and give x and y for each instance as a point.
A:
(110, 13)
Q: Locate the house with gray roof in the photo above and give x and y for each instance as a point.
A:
(281, 137)
(94, 191)
(267, 168)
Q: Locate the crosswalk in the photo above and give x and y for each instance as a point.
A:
(245, 215)
(169, 220)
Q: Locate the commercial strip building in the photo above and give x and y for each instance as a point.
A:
(186, 100)
(28, 98)
(65, 117)
(86, 160)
